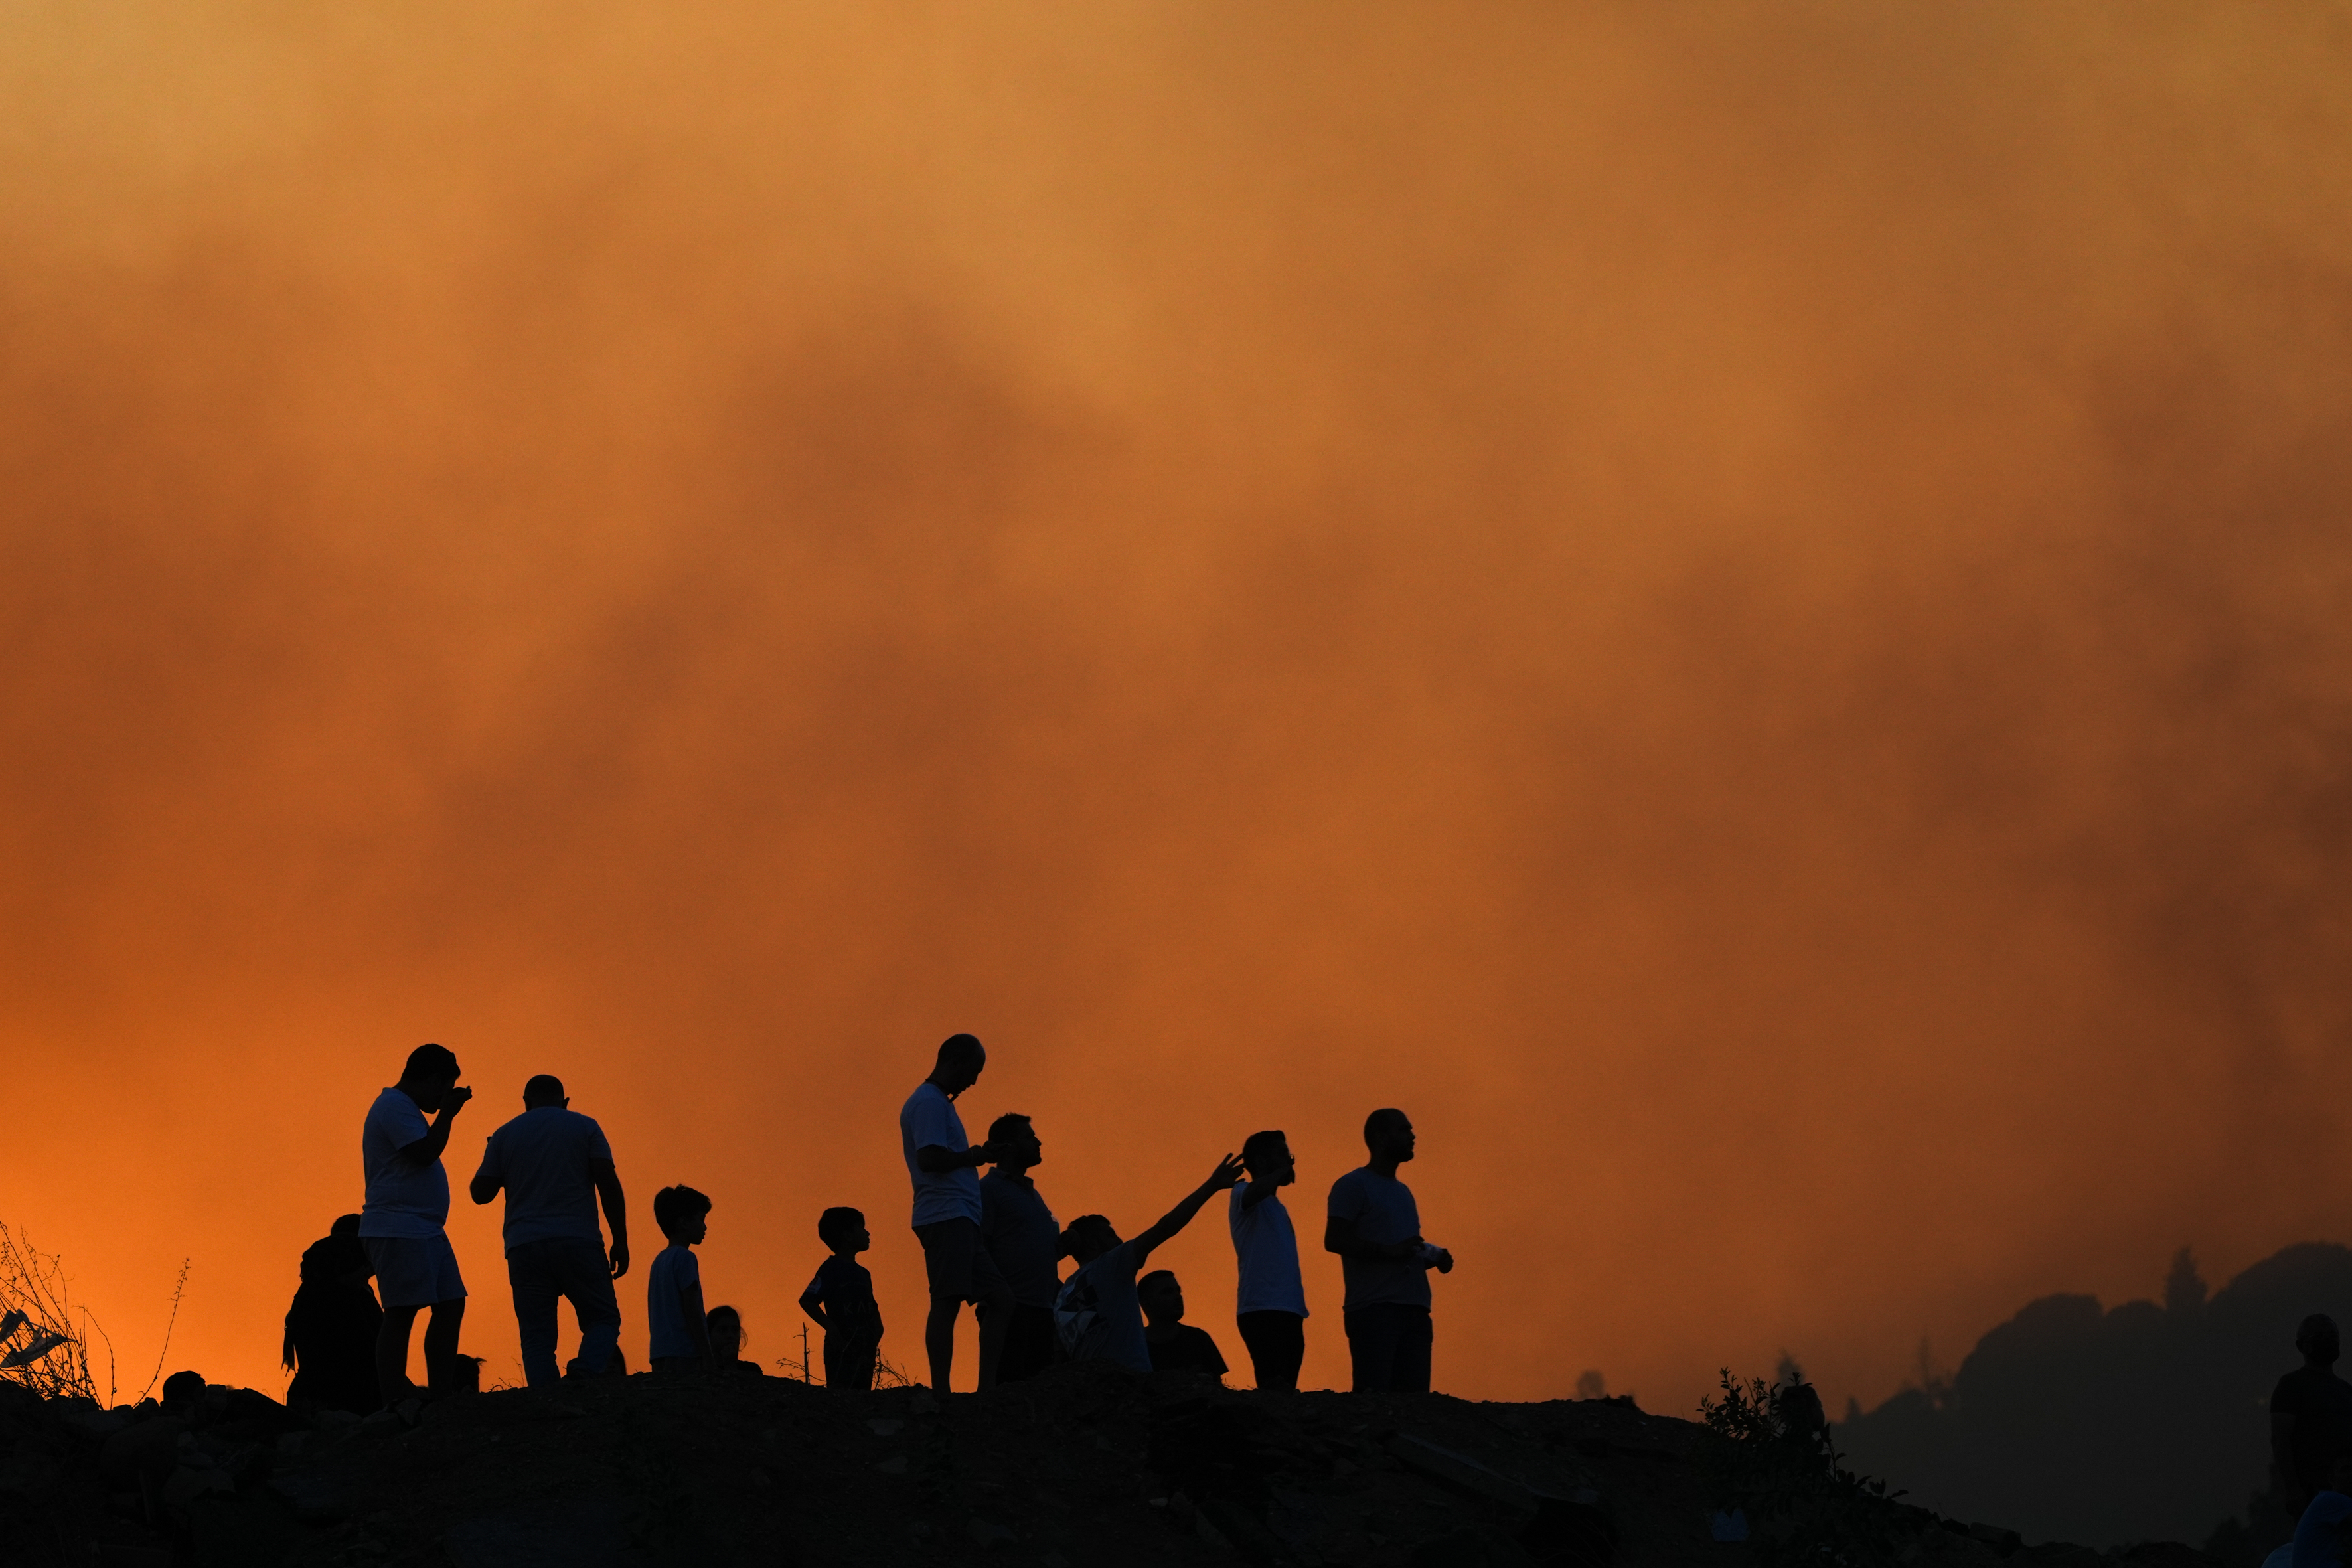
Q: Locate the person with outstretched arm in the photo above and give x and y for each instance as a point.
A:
(401, 1220)
(555, 1167)
(1098, 1313)
(1375, 1227)
(944, 1169)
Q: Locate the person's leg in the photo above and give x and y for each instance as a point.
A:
(947, 1248)
(995, 1298)
(1277, 1343)
(529, 1272)
(392, 1355)
(1372, 1347)
(1409, 1373)
(588, 1285)
(441, 1343)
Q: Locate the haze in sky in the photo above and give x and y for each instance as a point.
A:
(1742, 608)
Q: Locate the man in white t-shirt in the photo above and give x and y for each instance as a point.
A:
(401, 1222)
(944, 1170)
(555, 1166)
(1270, 1298)
(1375, 1227)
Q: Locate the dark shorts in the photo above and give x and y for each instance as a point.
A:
(415, 1270)
(848, 1362)
(958, 1267)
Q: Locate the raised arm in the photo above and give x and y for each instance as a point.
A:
(616, 1211)
(1228, 1172)
(427, 1149)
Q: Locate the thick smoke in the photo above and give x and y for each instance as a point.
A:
(1743, 610)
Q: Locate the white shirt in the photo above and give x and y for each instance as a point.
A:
(403, 1199)
(1266, 1248)
(927, 1120)
(547, 1159)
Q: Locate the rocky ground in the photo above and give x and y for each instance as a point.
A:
(1086, 1466)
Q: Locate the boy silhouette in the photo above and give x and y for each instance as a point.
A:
(1098, 1313)
(1025, 1241)
(1175, 1345)
(943, 1168)
(680, 1338)
(840, 1301)
(400, 1221)
(555, 1166)
(1270, 1298)
(1375, 1227)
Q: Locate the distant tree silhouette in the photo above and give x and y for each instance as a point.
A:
(2072, 1422)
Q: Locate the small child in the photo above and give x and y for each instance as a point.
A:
(1175, 1344)
(727, 1337)
(840, 1301)
(682, 1339)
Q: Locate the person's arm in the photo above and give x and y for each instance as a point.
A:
(812, 1303)
(689, 1301)
(1255, 1193)
(487, 1181)
(1339, 1235)
(938, 1159)
(1228, 1172)
(427, 1149)
(616, 1211)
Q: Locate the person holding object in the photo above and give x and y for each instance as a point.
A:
(944, 1169)
(401, 1220)
(555, 1167)
(1375, 1227)
(1098, 1312)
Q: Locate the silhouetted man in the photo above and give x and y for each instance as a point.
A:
(1375, 1227)
(944, 1170)
(401, 1222)
(1269, 1298)
(2311, 1415)
(555, 1166)
(1024, 1240)
(1098, 1312)
(1175, 1344)
(331, 1328)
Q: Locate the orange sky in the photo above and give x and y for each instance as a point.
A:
(1739, 608)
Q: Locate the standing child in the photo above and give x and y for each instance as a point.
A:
(840, 1301)
(1270, 1305)
(681, 1340)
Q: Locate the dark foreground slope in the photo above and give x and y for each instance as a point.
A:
(1086, 1465)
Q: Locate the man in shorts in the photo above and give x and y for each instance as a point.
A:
(943, 1168)
(401, 1222)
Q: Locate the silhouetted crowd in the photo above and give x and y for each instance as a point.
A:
(992, 1243)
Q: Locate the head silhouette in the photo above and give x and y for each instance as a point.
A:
(959, 1065)
(431, 1072)
(843, 1230)
(1011, 1135)
(546, 1088)
(682, 1213)
(726, 1326)
(1388, 1135)
(2316, 1338)
(1162, 1298)
(1268, 1155)
(1087, 1238)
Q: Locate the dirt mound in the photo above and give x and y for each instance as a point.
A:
(1087, 1464)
